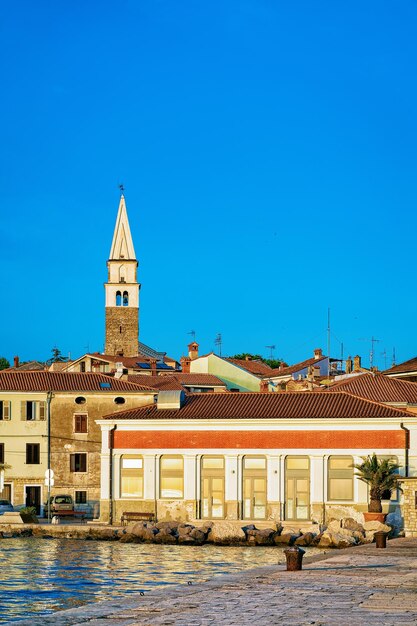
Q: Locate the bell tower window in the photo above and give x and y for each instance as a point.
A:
(118, 298)
(125, 298)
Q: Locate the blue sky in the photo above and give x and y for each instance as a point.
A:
(268, 152)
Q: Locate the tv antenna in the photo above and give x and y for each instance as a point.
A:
(393, 357)
(384, 354)
(371, 354)
(271, 348)
(218, 343)
(192, 333)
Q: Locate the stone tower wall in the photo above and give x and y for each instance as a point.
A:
(122, 331)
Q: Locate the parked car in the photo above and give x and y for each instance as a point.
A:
(59, 503)
(5, 506)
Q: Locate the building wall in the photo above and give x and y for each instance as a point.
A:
(315, 439)
(66, 442)
(234, 377)
(15, 433)
(126, 341)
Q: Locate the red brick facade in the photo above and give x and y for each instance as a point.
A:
(322, 439)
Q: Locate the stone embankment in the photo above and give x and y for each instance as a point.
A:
(338, 533)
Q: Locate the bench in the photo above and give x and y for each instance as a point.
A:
(136, 516)
(75, 514)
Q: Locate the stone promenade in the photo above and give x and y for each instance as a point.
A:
(360, 585)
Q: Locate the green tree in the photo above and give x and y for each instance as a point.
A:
(257, 357)
(381, 475)
(57, 356)
(4, 363)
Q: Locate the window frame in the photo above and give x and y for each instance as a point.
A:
(163, 474)
(340, 474)
(33, 454)
(81, 419)
(5, 410)
(82, 501)
(74, 465)
(126, 472)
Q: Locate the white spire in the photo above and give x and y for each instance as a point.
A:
(122, 245)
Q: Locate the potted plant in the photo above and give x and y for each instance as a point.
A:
(28, 515)
(381, 476)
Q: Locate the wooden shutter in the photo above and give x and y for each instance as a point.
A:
(42, 411)
(23, 413)
(6, 409)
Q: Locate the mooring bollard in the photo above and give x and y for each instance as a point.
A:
(294, 556)
(381, 539)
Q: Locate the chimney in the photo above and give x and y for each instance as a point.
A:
(153, 367)
(349, 365)
(357, 363)
(185, 364)
(193, 350)
(16, 361)
(264, 386)
(318, 353)
(248, 357)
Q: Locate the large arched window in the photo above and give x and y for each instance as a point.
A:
(118, 298)
(172, 477)
(131, 476)
(340, 478)
(125, 298)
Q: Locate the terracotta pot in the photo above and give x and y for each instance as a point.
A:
(375, 517)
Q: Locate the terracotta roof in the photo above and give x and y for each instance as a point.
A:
(64, 381)
(407, 366)
(378, 387)
(179, 379)
(258, 368)
(290, 405)
(29, 366)
(129, 362)
(291, 369)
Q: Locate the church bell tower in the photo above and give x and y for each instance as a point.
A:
(122, 291)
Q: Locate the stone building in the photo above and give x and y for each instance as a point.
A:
(48, 420)
(249, 456)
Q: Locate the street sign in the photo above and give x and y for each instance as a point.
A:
(49, 474)
(49, 482)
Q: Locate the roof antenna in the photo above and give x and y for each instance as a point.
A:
(271, 348)
(218, 343)
(192, 333)
(371, 354)
(393, 357)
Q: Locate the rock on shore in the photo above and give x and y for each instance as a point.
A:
(339, 533)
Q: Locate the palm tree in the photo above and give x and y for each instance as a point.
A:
(381, 475)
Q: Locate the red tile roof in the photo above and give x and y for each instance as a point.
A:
(179, 378)
(258, 368)
(291, 369)
(407, 366)
(31, 366)
(378, 387)
(290, 405)
(43, 381)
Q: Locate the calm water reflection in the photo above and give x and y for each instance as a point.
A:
(40, 576)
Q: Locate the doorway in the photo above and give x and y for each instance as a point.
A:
(297, 488)
(212, 487)
(254, 487)
(33, 497)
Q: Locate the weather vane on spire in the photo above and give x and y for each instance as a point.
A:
(122, 187)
